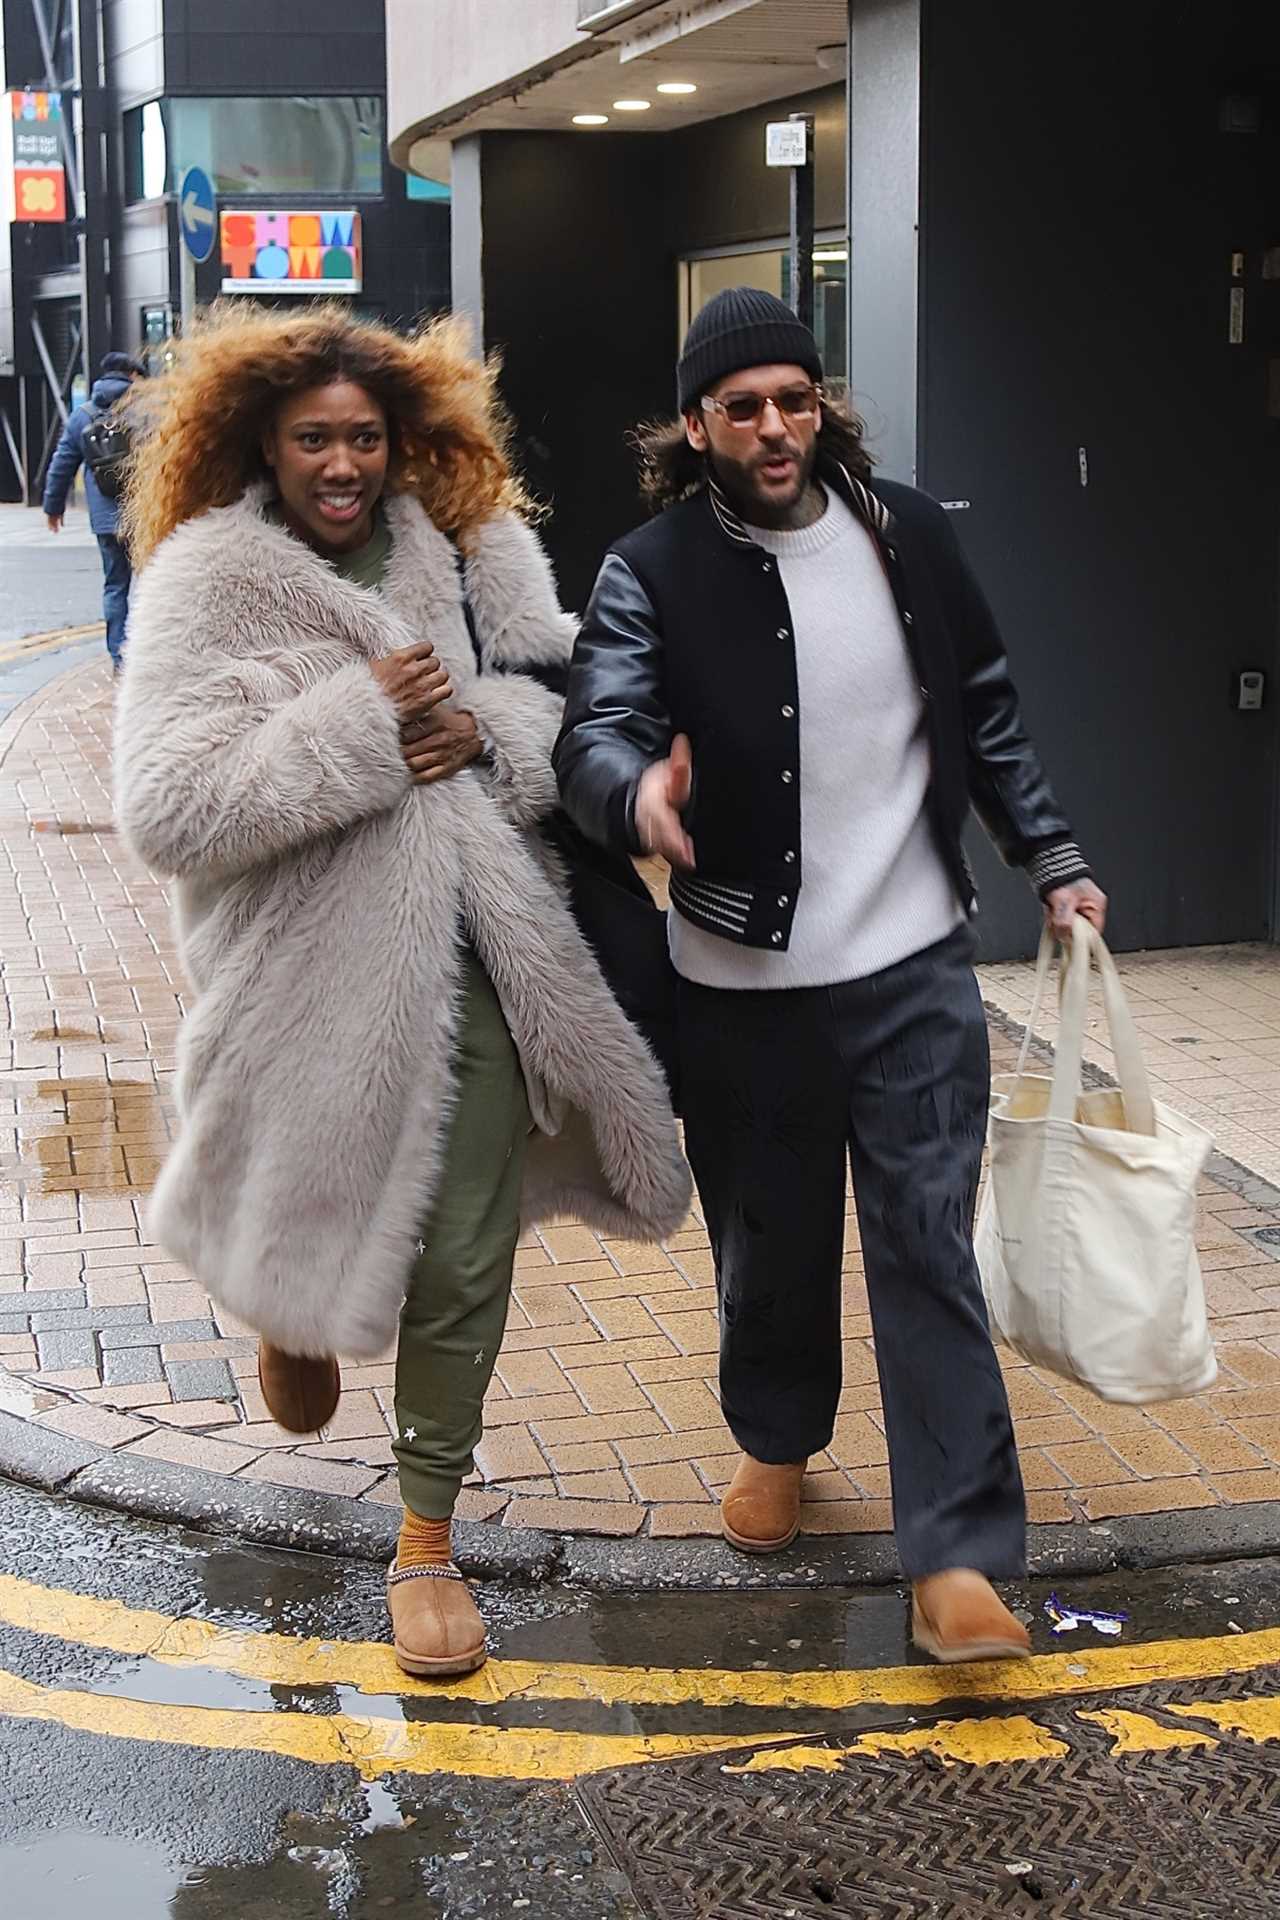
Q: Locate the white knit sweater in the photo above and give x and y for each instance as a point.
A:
(874, 886)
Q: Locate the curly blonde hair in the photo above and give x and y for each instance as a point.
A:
(198, 426)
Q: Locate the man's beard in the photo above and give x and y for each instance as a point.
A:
(739, 487)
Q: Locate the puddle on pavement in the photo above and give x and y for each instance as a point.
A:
(775, 1632)
(793, 1631)
(384, 1809)
(802, 1630)
(313, 1596)
(183, 1688)
(157, 1682)
(324, 1870)
(63, 1875)
(293, 1593)
(94, 1119)
(71, 827)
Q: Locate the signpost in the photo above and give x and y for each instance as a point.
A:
(789, 143)
(198, 225)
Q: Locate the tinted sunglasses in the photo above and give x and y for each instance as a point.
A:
(744, 409)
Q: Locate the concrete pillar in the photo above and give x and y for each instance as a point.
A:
(467, 230)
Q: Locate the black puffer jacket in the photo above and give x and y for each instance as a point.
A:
(689, 631)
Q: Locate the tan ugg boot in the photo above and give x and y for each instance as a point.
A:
(436, 1624)
(958, 1615)
(760, 1511)
(302, 1395)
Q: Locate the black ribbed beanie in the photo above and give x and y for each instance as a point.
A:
(742, 327)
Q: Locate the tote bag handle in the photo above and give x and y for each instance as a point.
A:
(1087, 945)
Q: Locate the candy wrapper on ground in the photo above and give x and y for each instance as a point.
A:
(1065, 1619)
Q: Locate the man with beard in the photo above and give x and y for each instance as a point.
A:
(789, 685)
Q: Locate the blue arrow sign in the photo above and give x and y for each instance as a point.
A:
(198, 213)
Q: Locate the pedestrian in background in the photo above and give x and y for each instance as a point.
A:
(335, 737)
(790, 686)
(101, 481)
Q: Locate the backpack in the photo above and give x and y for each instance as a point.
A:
(108, 444)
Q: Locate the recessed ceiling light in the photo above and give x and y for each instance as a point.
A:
(590, 119)
(677, 86)
(830, 253)
(632, 106)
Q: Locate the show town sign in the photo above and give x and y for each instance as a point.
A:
(291, 253)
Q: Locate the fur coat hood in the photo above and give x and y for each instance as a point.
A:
(321, 903)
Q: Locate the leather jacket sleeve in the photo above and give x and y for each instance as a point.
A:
(1008, 785)
(616, 722)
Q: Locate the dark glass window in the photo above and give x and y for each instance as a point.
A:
(298, 144)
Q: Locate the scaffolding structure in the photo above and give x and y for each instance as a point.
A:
(62, 314)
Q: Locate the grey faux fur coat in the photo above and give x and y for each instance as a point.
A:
(321, 900)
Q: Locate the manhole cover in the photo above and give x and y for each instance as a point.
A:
(1149, 1835)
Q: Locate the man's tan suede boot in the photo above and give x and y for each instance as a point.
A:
(760, 1511)
(958, 1615)
(301, 1395)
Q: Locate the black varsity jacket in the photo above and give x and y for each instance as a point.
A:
(688, 631)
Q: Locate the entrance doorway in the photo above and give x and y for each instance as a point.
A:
(703, 275)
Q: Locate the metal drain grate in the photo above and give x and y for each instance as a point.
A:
(1147, 1836)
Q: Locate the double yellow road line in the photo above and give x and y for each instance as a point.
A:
(381, 1743)
(32, 644)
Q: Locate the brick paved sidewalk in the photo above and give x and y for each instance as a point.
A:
(603, 1417)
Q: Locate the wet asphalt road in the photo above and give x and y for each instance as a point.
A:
(50, 580)
(121, 1828)
(128, 1831)
(48, 583)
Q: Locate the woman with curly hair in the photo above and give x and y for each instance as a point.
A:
(334, 734)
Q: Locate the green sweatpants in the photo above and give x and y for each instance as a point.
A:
(456, 1310)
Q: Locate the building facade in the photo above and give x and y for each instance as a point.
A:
(1049, 262)
(286, 115)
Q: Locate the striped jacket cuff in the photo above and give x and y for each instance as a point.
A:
(1057, 867)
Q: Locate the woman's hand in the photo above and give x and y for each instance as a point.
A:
(440, 745)
(413, 679)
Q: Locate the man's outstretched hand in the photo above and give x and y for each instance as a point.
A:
(1064, 903)
(661, 798)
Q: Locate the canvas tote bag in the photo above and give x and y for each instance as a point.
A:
(1086, 1234)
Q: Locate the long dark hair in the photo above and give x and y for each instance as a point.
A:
(670, 469)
